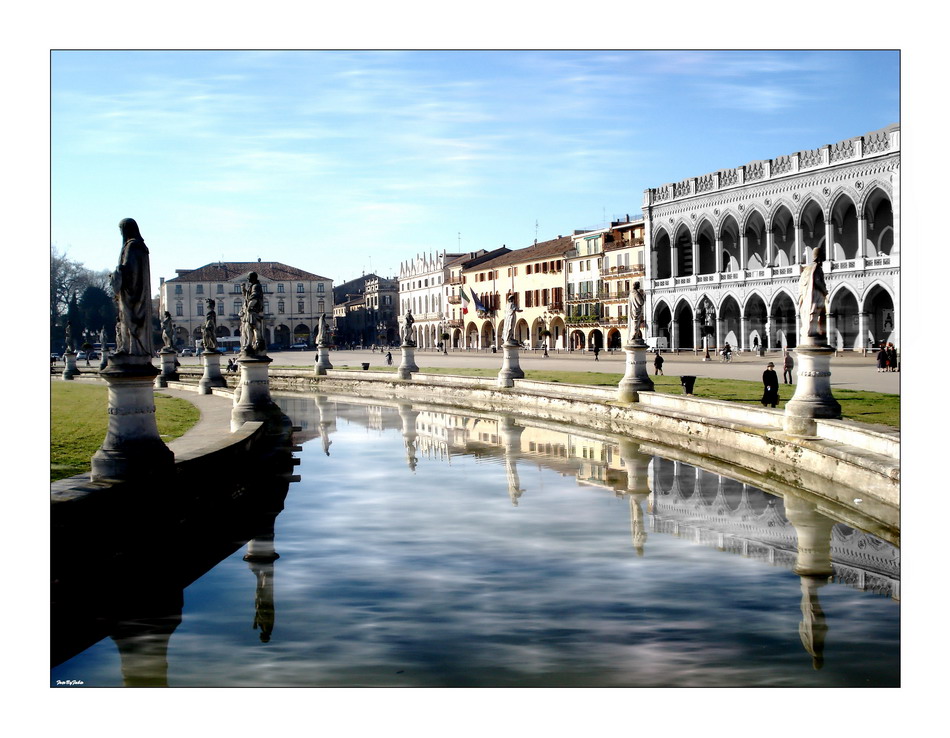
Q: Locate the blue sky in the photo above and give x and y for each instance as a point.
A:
(345, 162)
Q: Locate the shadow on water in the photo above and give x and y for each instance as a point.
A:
(122, 557)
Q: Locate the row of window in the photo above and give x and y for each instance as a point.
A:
(236, 288)
(281, 307)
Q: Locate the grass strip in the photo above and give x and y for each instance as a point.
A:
(79, 419)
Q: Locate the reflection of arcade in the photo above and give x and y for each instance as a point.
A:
(127, 581)
(703, 507)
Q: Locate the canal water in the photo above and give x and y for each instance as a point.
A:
(427, 548)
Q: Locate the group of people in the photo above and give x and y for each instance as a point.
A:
(887, 358)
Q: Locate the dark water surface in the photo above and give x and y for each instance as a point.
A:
(427, 549)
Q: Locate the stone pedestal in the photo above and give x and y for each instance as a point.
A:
(322, 360)
(169, 374)
(510, 366)
(812, 398)
(71, 370)
(132, 448)
(255, 402)
(408, 364)
(212, 376)
(636, 378)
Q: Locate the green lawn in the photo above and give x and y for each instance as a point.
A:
(78, 422)
(860, 405)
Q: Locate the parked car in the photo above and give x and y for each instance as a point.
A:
(299, 346)
(81, 355)
(187, 352)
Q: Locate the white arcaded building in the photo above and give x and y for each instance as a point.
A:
(726, 249)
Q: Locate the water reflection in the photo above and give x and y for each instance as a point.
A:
(476, 549)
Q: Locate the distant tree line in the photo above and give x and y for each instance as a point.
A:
(81, 297)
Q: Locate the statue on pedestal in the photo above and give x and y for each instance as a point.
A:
(252, 335)
(131, 284)
(70, 347)
(812, 295)
(635, 314)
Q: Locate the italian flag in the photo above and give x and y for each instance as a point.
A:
(465, 300)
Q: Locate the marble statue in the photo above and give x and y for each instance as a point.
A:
(508, 327)
(407, 330)
(70, 347)
(635, 314)
(322, 331)
(131, 284)
(168, 331)
(252, 335)
(209, 335)
(102, 339)
(812, 295)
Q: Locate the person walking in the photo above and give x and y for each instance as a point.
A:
(787, 365)
(891, 357)
(770, 382)
(882, 359)
(389, 358)
(596, 353)
(658, 364)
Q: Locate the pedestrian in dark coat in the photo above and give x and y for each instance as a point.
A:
(770, 381)
(658, 364)
(891, 357)
(882, 360)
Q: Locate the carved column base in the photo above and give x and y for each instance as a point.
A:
(510, 366)
(322, 361)
(812, 399)
(636, 378)
(212, 376)
(71, 369)
(408, 364)
(132, 448)
(255, 402)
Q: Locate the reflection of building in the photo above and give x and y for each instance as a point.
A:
(722, 513)
(737, 239)
(294, 300)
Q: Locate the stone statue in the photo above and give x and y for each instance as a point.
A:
(812, 294)
(131, 284)
(508, 328)
(407, 330)
(102, 339)
(635, 314)
(168, 331)
(70, 347)
(209, 336)
(252, 336)
(322, 330)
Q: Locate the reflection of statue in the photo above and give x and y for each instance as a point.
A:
(812, 629)
(253, 336)
(407, 330)
(131, 284)
(812, 294)
(168, 330)
(635, 314)
(209, 338)
(508, 328)
(70, 348)
(322, 330)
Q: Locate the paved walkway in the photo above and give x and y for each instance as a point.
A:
(214, 422)
(848, 370)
